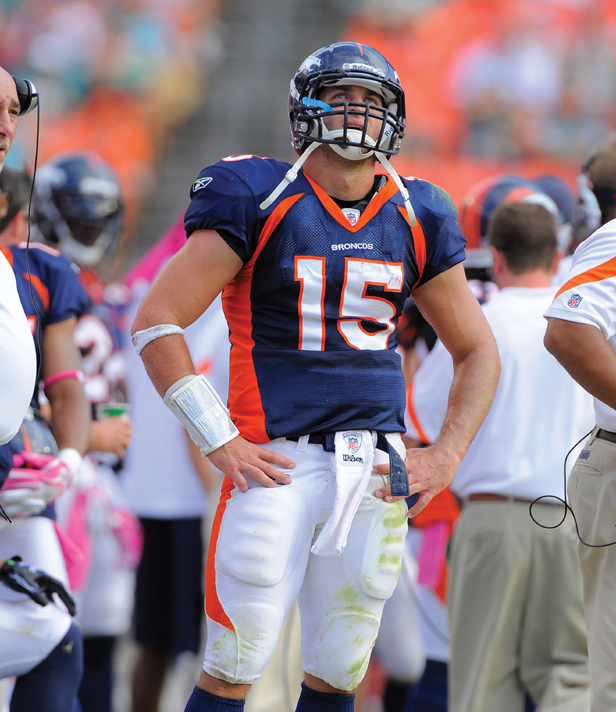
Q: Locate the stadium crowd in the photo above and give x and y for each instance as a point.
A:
(108, 543)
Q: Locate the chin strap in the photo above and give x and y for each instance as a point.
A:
(403, 191)
(291, 175)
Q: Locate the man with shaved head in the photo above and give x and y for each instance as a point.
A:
(9, 111)
(17, 356)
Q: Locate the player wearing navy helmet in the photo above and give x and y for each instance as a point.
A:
(315, 262)
(78, 206)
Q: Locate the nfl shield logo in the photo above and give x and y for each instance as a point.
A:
(352, 440)
(574, 301)
(352, 215)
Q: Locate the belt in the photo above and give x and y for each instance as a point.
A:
(398, 476)
(605, 435)
(324, 439)
(489, 497)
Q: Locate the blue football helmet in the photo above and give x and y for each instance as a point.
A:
(78, 206)
(339, 64)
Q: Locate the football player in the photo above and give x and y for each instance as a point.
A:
(315, 262)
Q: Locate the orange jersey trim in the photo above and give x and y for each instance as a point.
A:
(42, 290)
(419, 241)
(245, 402)
(8, 254)
(213, 606)
(371, 210)
(413, 415)
(596, 274)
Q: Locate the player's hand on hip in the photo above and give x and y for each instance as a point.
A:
(430, 470)
(240, 459)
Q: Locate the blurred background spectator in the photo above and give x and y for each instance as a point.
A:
(159, 88)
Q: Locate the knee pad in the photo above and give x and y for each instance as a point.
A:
(382, 560)
(351, 629)
(239, 656)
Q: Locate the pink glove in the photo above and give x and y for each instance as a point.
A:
(34, 482)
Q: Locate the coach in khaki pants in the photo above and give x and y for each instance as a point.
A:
(515, 593)
(581, 334)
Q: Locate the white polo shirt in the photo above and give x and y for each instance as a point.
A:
(588, 296)
(17, 356)
(539, 412)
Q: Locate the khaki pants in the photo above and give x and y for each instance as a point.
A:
(515, 612)
(592, 494)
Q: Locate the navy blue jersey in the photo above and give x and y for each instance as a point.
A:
(56, 289)
(57, 293)
(312, 314)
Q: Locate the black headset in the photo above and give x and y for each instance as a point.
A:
(27, 95)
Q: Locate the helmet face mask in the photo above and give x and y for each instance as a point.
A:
(78, 206)
(347, 64)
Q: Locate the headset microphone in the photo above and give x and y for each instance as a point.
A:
(28, 101)
(27, 95)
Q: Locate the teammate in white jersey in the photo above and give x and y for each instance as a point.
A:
(581, 334)
(515, 597)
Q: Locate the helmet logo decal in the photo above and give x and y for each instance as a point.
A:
(92, 185)
(201, 183)
(310, 63)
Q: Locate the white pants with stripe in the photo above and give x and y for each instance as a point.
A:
(260, 561)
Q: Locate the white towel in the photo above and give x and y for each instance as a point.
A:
(352, 469)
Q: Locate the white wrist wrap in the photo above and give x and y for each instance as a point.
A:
(72, 458)
(199, 408)
(142, 338)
